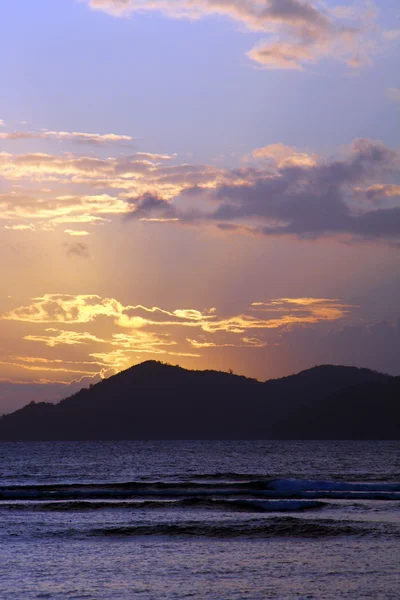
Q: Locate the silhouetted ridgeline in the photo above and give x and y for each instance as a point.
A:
(158, 401)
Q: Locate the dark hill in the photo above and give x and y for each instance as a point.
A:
(158, 401)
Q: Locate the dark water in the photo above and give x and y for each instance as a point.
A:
(212, 520)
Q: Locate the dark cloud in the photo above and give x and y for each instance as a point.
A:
(77, 249)
(148, 204)
(313, 200)
(286, 193)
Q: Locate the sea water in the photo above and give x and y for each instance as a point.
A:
(212, 520)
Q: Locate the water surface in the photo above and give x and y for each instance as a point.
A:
(212, 520)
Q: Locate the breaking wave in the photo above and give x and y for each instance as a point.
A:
(250, 506)
(285, 527)
(220, 485)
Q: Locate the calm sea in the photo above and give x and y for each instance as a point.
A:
(212, 520)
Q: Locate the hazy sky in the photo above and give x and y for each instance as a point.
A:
(211, 183)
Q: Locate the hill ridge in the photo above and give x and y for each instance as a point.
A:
(156, 400)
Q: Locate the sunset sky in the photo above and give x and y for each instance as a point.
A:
(210, 183)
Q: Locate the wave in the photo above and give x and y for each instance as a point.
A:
(244, 487)
(293, 485)
(287, 527)
(249, 506)
(272, 527)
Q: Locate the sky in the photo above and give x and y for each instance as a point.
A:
(209, 183)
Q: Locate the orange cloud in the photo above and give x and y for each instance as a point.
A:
(48, 366)
(77, 136)
(394, 93)
(102, 333)
(58, 337)
(284, 156)
(20, 227)
(380, 191)
(76, 232)
(64, 308)
(305, 310)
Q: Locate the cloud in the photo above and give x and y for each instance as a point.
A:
(245, 342)
(77, 249)
(128, 173)
(21, 227)
(76, 232)
(394, 94)
(60, 209)
(40, 166)
(50, 366)
(96, 139)
(56, 337)
(284, 192)
(283, 55)
(153, 157)
(391, 34)
(64, 308)
(379, 192)
(59, 308)
(146, 205)
(71, 336)
(284, 156)
(299, 32)
(2, 124)
(136, 181)
(91, 334)
(315, 200)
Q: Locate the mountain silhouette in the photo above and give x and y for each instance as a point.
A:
(154, 400)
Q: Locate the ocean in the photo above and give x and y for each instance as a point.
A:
(202, 520)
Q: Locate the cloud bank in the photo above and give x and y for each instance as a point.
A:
(283, 192)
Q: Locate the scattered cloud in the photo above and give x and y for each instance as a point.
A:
(20, 227)
(63, 308)
(394, 94)
(284, 156)
(379, 192)
(2, 124)
(77, 249)
(127, 172)
(391, 34)
(58, 308)
(298, 32)
(76, 232)
(134, 332)
(96, 139)
(283, 191)
(153, 157)
(59, 209)
(47, 365)
(56, 337)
